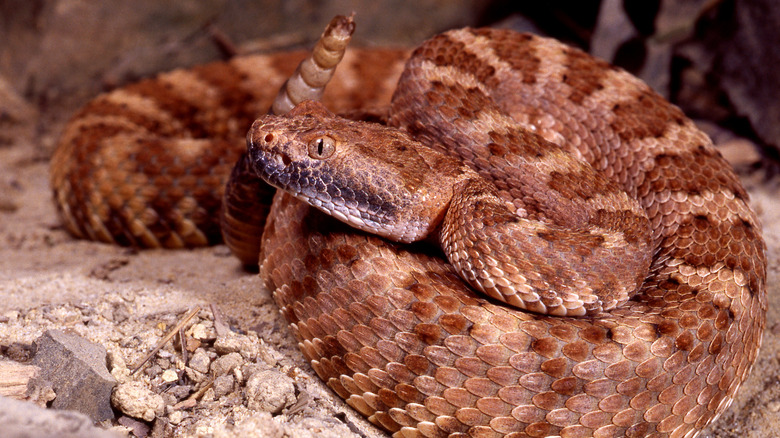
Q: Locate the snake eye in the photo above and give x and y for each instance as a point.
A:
(321, 148)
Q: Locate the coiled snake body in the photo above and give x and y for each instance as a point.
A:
(391, 328)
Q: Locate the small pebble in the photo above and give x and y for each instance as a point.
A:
(223, 385)
(169, 376)
(107, 313)
(169, 399)
(208, 395)
(115, 359)
(180, 391)
(192, 344)
(138, 428)
(120, 312)
(237, 343)
(198, 331)
(267, 356)
(269, 391)
(248, 369)
(203, 331)
(238, 375)
(136, 400)
(175, 417)
(153, 371)
(195, 376)
(19, 352)
(200, 361)
(225, 364)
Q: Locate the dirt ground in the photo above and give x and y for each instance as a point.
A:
(127, 300)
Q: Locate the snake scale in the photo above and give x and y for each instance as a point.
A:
(391, 327)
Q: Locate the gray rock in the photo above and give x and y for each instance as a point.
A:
(77, 371)
(26, 420)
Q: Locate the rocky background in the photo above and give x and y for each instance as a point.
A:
(63, 300)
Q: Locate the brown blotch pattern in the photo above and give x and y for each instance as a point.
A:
(584, 74)
(516, 50)
(646, 115)
(695, 171)
(444, 51)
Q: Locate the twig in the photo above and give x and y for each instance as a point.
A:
(223, 42)
(220, 327)
(184, 352)
(192, 399)
(167, 338)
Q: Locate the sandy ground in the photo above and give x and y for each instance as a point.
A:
(127, 300)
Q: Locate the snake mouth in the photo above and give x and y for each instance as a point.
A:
(268, 161)
(278, 168)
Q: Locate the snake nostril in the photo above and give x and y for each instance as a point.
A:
(268, 138)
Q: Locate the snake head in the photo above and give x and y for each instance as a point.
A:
(374, 178)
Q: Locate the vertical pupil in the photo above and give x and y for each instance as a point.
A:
(320, 145)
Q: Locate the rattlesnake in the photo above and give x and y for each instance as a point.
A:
(390, 327)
